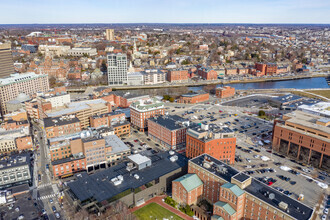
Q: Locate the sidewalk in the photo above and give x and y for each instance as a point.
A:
(160, 202)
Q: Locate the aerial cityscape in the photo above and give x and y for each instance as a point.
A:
(137, 110)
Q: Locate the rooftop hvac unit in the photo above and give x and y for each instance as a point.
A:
(136, 176)
(171, 152)
(118, 182)
(206, 165)
(120, 177)
(174, 158)
(283, 205)
(114, 179)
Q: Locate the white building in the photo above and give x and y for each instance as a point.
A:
(57, 100)
(81, 51)
(134, 78)
(54, 50)
(153, 76)
(117, 69)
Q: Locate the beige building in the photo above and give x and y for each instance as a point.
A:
(6, 60)
(110, 34)
(54, 50)
(28, 83)
(83, 110)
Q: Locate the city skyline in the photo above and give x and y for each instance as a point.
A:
(145, 11)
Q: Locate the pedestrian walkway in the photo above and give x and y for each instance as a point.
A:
(44, 185)
(47, 197)
(159, 201)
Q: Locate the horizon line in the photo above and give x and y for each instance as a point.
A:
(300, 23)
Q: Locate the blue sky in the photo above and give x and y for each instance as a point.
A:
(164, 11)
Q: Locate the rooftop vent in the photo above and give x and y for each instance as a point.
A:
(283, 205)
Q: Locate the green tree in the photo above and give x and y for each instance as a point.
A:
(261, 113)
(166, 97)
(171, 99)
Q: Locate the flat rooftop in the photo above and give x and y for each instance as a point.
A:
(14, 161)
(61, 120)
(100, 187)
(116, 143)
(171, 122)
(257, 188)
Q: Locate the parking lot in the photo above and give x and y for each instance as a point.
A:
(292, 183)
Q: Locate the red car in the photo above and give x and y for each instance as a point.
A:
(270, 183)
(136, 140)
(220, 111)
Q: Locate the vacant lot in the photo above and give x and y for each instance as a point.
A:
(324, 93)
(155, 211)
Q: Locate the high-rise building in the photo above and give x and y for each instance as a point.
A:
(6, 60)
(110, 34)
(117, 69)
(28, 83)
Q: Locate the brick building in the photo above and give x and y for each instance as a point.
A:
(169, 131)
(62, 125)
(225, 92)
(68, 166)
(187, 189)
(235, 195)
(305, 137)
(177, 75)
(142, 110)
(207, 74)
(219, 142)
(24, 143)
(194, 97)
(12, 125)
(107, 119)
(122, 128)
(266, 68)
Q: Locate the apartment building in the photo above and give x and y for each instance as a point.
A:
(62, 125)
(153, 76)
(142, 110)
(6, 60)
(107, 119)
(219, 142)
(110, 34)
(28, 83)
(57, 100)
(117, 69)
(305, 137)
(169, 131)
(122, 128)
(207, 74)
(94, 151)
(15, 170)
(54, 50)
(187, 189)
(235, 195)
(12, 140)
(177, 75)
(194, 97)
(225, 92)
(266, 68)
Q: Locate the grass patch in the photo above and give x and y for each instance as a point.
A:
(155, 211)
(324, 93)
(308, 95)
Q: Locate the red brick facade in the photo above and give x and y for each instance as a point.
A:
(68, 167)
(24, 143)
(181, 195)
(139, 118)
(221, 149)
(207, 74)
(177, 75)
(225, 92)
(192, 99)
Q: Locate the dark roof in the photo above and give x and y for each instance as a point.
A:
(59, 121)
(295, 208)
(14, 161)
(107, 114)
(230, 172)
(100, 187)
(241, 177)
(66, 160)
(120, 124)
(257, 188)
(93, 138)
(170, 122)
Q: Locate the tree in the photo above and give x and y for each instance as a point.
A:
(171, 99)
(261, 113)
(166, 97)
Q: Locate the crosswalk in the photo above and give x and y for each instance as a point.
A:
(47, 197)
(44, 185)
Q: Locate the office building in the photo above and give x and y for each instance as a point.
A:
(110, 34)
(6, 60)
(62, 125)
(169, 131)
(28, 83)
(194, 97)
(15, 170)
(83, 110)
(82, 51)
(117, 69)
(177, 75)
(207, 74)
(133, 182)
(219, 142)
(68, 166)
(305, 137)
(144, 109)
(225, 92)
(235, 195)
(153, 76)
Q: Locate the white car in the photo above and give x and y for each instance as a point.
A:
(324, 217)
(326, 211)
(57, 215)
